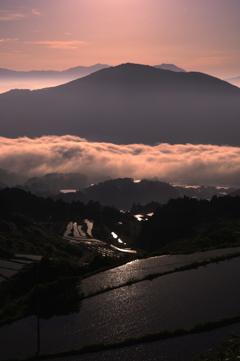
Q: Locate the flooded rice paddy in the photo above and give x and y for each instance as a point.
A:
(177, 300)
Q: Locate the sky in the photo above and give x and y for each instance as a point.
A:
(197, 35)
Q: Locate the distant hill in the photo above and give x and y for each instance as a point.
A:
(38, 79)
(234, 81)
(203, 192)
(67, 75)
(53, 183)
(129, 103)
(235, 193)
(121, 193)
(171, 67)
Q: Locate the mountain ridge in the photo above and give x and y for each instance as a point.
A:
(234, 81)
(129, 103)
(95, 67)
(39, 79)
(84, 69)
(171, 67)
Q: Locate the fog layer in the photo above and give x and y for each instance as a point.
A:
(178, 163)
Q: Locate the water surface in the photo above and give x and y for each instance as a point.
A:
(139, 268)
(180, 299)
(182, 348)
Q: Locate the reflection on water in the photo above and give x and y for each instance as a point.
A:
(89, 227)
(68, 230)
(75, 234)
(140, 268)
(181, 348)
(9, 268)
(181, 299)
(10, 265)
(7, 272)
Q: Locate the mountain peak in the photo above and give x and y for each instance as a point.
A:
(171, 67)
(129, 103)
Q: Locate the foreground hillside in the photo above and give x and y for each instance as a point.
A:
(35, 225)
(188, 225)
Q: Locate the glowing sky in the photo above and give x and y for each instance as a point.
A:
(201, 35)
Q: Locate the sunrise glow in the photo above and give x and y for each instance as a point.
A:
(59, 34)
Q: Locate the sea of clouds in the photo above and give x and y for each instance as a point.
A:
(178, 164)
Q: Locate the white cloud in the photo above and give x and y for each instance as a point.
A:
(179, 163)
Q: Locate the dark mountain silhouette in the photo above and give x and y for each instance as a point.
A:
(203, 192)
(191, 224)
(121, 193)
(171, 67)
(39, 79)
(33, 224)
(68, 74)
(53, 183)
(2, 185)
(235, 193)
(10, 179)
(129, 103)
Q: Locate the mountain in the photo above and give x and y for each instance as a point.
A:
(69, 74)
(129, 103)
(171, 67)
(234, 81)
(235, 193)
(36, 79)
(121, 193)
(53, 183)
(73, 73)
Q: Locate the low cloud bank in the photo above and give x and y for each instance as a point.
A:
(179, 164)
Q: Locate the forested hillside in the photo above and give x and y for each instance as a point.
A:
(35, 225)
(188, 225)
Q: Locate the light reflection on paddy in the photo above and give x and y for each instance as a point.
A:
(181, 299)
(140, 268)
